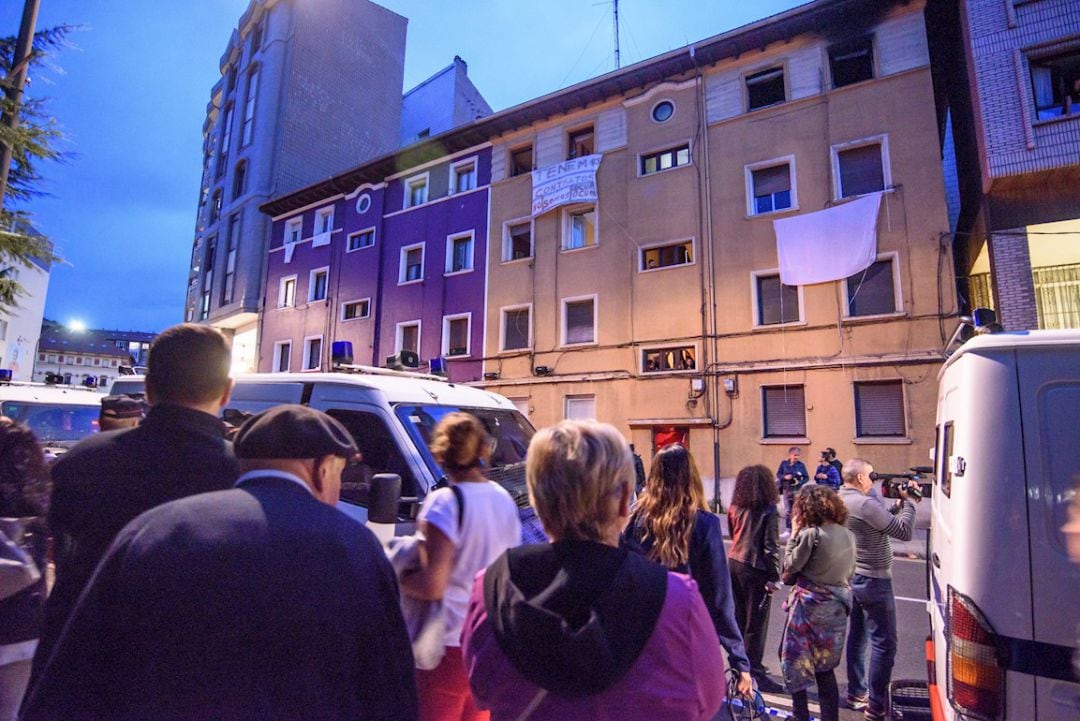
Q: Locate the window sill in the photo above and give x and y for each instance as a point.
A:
(452, 273)
(580, 345)
(665, 170)
(883, 441)
(887, 191)
(362, 247)
(785, 441)
(776, 326)
(517, 261)
(315, 300)
(460, 356)
(876, 316)
(666, 373)
(1059, 119)
(673, 266)
(772, 214)
(359, 317)
(311, 370)
(410, 282)
(578, 250)
(284, 307)
(515, 351)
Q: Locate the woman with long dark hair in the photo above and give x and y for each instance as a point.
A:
(674, 527)
(753, 520)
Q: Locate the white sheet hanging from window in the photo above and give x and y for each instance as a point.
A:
(829, 244)
(289, 248)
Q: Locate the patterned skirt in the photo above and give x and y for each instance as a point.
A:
(813, 639)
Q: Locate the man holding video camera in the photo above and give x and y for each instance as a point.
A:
(873, 613)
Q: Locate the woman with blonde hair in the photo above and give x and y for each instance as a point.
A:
(583, 628)
(464, 528)
(673, 525)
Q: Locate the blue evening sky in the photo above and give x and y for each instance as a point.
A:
(131, 99)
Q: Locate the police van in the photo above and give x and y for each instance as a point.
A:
(60, 416)
(1005, 598)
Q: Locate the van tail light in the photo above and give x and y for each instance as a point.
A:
(975, 675)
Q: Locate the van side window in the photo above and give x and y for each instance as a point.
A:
(1059, 416)
(380, 455)
(945, 459)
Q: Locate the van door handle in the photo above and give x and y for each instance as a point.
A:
(937, 561)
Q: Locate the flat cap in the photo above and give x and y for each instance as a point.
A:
(123, 407)
(293, 431)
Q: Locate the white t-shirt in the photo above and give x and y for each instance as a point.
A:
(490, 527)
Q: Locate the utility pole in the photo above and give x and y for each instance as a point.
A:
(17, 78)
(615, 4)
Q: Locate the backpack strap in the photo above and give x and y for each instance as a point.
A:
(460, 496)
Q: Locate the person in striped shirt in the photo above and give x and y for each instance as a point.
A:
(873, 613)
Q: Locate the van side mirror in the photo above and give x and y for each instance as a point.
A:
(384, 497)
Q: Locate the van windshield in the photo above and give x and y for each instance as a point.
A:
(54, 422)
(508, 428)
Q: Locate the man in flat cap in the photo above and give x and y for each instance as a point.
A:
(259, 602)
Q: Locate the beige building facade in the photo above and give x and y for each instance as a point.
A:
(659, 309)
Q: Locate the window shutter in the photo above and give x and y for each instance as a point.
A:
(879, 409)
(579, 322)
(516, 332)
(871, 292)
(861, 171)
(459, 341)
(776, 179)
(785, 412)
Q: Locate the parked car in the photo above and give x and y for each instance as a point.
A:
(60, 416)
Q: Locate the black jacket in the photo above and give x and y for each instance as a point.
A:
(107, 480)
(708, 567)
(259, 602)
(755, 538)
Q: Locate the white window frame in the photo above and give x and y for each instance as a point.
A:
(748, 170)
(320, 238)
(311, 283)
(522, 403)
(578, 397)
(566, 223)
(766, 439)
(595, 298)
(364, 199)
(445, 348)
(404, 253)
(886, 169)
(643, 349)
(454, 172)
(569, 135)
(448, 267)
(757, 324)
(415, 180)
(359, 317)
(348, 240)
(674, 109)
(664, 244)
(298, 224)
(399, 335)
(898, 291)
(281, 290)
(881, 440)
(689, 143)
(508, 244)
(502, 327)
(276, 367)
(307, 353)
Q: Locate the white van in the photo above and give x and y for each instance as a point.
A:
(60, 416)
(1005, 598)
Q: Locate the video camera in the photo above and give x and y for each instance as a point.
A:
(892, 482)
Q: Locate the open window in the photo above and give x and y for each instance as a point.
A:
(379, 454)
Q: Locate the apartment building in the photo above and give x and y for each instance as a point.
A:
(88, 357)
(657, 305)
(20, 325)
(1008, 79)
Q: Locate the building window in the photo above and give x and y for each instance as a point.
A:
(522, 405)
(873, 291)
(765, 88)
(851, 62)
(770, 187)
(416, 191)
(580, 143)
(282, 356)
(463, 177)
(230, 79)
(579, 320)
(579, 228)
(662, 111)
(324, 220)
(783, 411)
(408, 337)
(287, 292)
(1055, 82)
(516, 328)
(459, 253)
(317, 284)
(215, 207)
(360, 239)
(663, 436)
(363, 203)
(665, 159)
(860, 169)
(239, 179)
(456, 332)
(313, 353)
(666, 256)
(517, 241)
(580, 408)
(293, 230)
(774, 302)
(521, 160)
(41, 357)
(412, 264)
(204, 308)
(256, 38)
(355, 310)
(231, 240)
(664, 360)
(249, 106)
(879, 409)
(226, 137)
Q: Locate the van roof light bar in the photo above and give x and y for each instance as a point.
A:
(375, 371)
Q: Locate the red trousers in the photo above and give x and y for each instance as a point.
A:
(444, 691)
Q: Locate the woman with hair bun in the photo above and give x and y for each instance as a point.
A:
(464, 527)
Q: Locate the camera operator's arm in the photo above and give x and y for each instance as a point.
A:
(900, 526)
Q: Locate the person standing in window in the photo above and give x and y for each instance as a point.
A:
(465, 529)
(672, 523)
(790, 477)
(755, 562)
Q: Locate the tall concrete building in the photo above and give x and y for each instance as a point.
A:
(445, 100)
(307, 89)
(20, 327)
(1007, 75)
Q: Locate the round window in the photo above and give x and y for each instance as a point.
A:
(363, 203)
(663, 111)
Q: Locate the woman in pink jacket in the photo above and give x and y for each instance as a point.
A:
(581, 628)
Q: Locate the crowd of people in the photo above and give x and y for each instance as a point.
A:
(198, 577)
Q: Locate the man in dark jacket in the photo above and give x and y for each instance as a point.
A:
(790, 477)
(109, 479)
(259, 602)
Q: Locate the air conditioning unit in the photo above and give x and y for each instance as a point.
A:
(403, 359)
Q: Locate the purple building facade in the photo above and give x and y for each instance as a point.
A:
(393, 264)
